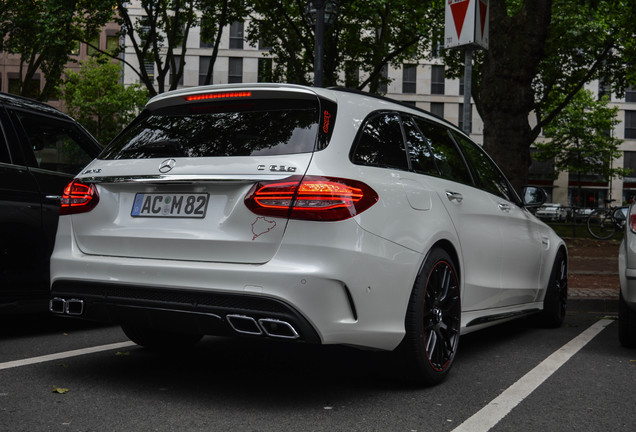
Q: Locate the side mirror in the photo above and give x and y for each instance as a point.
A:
(533, 197)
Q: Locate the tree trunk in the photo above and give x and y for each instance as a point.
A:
(506, 96)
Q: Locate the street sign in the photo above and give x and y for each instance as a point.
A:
(466, 23)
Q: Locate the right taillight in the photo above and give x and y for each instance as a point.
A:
(78, 198)
(632, 222)
(311, 198)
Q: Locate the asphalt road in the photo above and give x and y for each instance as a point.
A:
(501, 381)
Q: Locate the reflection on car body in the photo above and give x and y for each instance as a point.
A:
(394, 231)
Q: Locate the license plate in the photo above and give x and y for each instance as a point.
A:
(177, 205)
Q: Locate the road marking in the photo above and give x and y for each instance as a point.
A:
(62, 355)
(491, 414)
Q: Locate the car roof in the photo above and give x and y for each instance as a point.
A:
(30, 105)
(334, 94)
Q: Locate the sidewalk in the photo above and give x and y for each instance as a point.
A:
(593, 275)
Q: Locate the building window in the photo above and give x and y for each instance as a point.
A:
(263, 46)
(630, 94)
(265, 69)
(33, 90)
(461, 85)
(382, 85)
(235, 70)
(630, 124)
(460, 116)
(437, 79)
(149, 67)
(437, 108)
(92, 49)
(204, 64)
(236, 35)
(629, 161)
(604, 89)
(112, 44)
(409, 78)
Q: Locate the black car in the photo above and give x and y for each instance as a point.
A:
(41, 150)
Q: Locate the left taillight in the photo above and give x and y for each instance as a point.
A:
(311, 198)
(78, 197)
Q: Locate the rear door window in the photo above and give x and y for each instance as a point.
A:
(448, 159)
(260, 127)
(487, 174)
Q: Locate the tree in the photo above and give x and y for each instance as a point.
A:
(45, 33)
(159, 36)
(541, 53)
(95, 97)
(368, 35)
(580, 139)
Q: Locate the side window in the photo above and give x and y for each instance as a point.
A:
(419, 151)
(446, 155)
(488, 175)
(57, 145)
(4, 150)
(380, 143)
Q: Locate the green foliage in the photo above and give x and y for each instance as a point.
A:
(46, 33)
(580, 138)
(95, 97)
(367, 35)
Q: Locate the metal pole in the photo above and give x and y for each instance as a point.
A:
(468, 74)
(320, 36)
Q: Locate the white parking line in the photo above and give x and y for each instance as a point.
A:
(496, 410)
(62, 355)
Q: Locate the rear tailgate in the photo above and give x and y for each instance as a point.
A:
(188, 216)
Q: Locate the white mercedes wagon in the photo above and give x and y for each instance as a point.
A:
(312, 215)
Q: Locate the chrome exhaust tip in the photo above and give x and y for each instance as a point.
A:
(57, 305)
(244, 325)
(277, 328)
(74, 307)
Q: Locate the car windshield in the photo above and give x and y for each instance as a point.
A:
(260, 127)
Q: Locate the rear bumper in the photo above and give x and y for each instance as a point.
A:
(326, 293)
(181, 310)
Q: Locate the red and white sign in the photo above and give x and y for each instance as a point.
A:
(466, 23)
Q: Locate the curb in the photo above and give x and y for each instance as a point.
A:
(590, 304)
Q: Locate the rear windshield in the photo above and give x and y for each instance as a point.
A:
(248, 128)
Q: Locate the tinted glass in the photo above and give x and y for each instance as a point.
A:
(57, 145)
(446, 155)
(419, 151)
(381, 144)
(488, 175)
(259, 127)
(4, 151)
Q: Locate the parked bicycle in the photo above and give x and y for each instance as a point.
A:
(603, 223)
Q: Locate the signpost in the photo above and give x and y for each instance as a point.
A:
(466, 25)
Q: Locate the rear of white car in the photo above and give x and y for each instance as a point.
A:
(280, 211)
(178, 233)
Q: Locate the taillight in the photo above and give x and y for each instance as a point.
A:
(311, 198)
(78, 198)
(632, 222)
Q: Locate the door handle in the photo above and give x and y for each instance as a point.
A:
(53, 197)
(505, 207)
(454, 196)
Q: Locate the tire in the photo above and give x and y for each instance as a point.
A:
(432, 321)
(160, 340)
(601, 225)
(556, 296)
(626, 323)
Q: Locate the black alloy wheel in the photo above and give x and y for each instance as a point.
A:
(432, 321)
